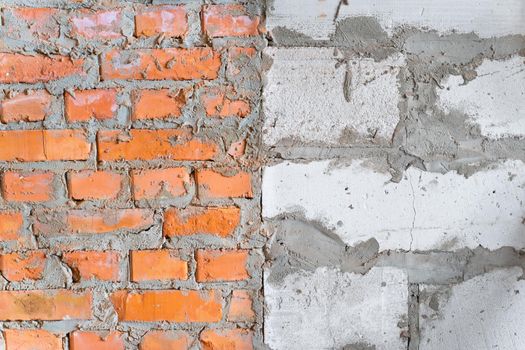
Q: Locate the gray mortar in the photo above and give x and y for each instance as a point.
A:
(425, 136)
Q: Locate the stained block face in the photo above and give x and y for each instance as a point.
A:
(484, 312)
(318, 20)
(311, 98)
(328, 309)
(494, 100)
(424, 211)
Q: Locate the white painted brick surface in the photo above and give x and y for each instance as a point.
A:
(304, 98)
(424, 211)
(487, 18)
(495, 100)
(328, 309)
(483, 313)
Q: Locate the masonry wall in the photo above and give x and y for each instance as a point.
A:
(236, 175)
(130, 197)
(395, 181)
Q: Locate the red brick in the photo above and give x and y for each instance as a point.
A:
(148, 265)
(87, 265)
(241, 307)
(157, 104)
(228, 20)
(81, 340)
(43, 145)
(11, 225)
(226, 339)
(160, 183)
(212, 184)
(100, 104)
(88, 184)
(221, 265)
(97, 25)
(221, 222)
(40, 22)
(16, 267)
(237, 149)
(28, 187)
(45, 305)
(217, 104)
(168, 305)
(239, 59)
(31, 107)
(161, 64)
(92, 221)
(17, 68)
(31, 339)
(170, 21)
(165, 340)
(173, 144)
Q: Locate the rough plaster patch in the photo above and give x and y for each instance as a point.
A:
(423, 211)
(328, 309)
(487, 18)
(305, 99)
(485, 312)
(495, 99)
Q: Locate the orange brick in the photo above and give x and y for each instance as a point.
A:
(157, 104)
(161, 64)
(241, 307)
(87, 265)
(228, 20)
(34, 339)
(217, 104)
(226, 339)
(160, 183)
(237, 149)
(87, 184)
(221, 265)
(86, 104)
(43, 145)
(165, 340)
(198, 220)
(170, 21)
(211, 184)
(16, 68)
(31, 107)
(16, 267)
(81, 340)
(45, 305)
(80, 221)
(147, 265)
(168, 305)
(97, 25)
(11, 225)
(174, 144)
(92, 221)
(28, 187)
(40, 22)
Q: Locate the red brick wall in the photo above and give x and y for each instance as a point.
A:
(129, 202)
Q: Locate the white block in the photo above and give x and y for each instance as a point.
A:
(495, 100)
(483, 313)
(487, 18)
(424, 211)
(304, 97)
(328, 309)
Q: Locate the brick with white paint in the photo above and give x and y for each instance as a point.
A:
(485, 312)
(304, 98)
(328, 309)
(487, 18)
(423, 211)
(495, 99)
